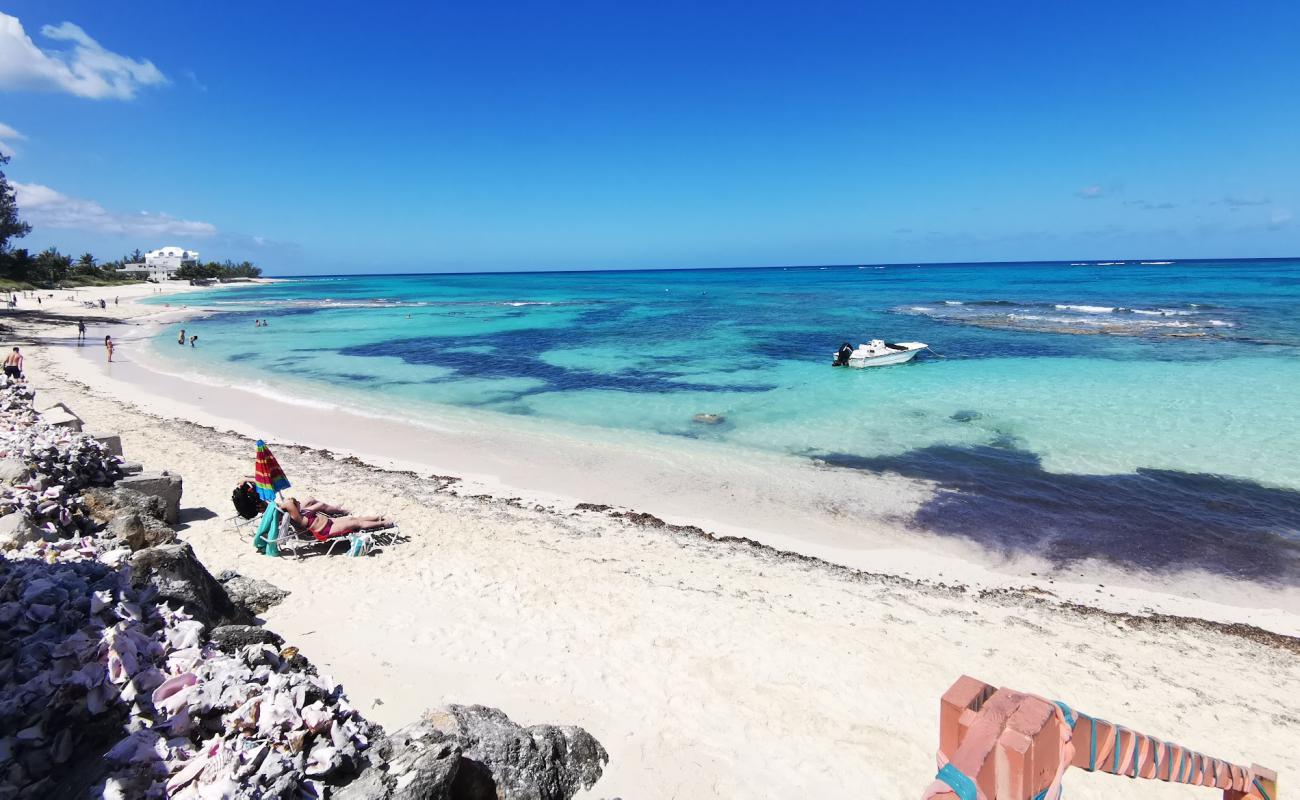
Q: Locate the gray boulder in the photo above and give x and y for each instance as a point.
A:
(105, 504)
(13, 471)
(477, 753)
(111, 441)
(17, 530)
(418, 762)
(254, 595)
(180, 578)
(500, 759)
(139, 531)
(232, 637)
(158, 484)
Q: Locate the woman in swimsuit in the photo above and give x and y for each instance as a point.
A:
(323, 527)
(108, 345)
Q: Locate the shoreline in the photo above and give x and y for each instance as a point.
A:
(707, 666)
(843, 517)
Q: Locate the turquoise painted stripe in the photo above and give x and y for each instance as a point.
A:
(959, 782)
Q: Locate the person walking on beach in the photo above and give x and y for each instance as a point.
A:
(81, 330)
(14, 365)
(180, 340)
(108, 345)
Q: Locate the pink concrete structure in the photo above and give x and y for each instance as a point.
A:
(1000, 744)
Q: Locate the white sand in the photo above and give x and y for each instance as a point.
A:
(706, 669)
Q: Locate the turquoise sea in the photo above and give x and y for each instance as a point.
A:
(1142, 412)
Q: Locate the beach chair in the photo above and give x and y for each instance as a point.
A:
(294, 540)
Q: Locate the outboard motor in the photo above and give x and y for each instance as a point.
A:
(842, 355)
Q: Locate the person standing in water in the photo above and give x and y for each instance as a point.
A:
(81, 330)
(180, 340)
(194, 339)
(108, 345)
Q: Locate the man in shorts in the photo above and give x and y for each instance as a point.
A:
(14, 365)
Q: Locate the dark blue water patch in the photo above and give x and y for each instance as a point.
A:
(524, 347)
(1161, 520)
(245, 356)
(354, 377)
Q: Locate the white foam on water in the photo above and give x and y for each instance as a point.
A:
(1085, 309)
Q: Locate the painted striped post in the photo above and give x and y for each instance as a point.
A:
(1000, 744)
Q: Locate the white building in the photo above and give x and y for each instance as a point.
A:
(162, 264)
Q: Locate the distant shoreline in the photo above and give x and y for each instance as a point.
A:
(1161, 261)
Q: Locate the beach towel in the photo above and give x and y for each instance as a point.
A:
(269, 530)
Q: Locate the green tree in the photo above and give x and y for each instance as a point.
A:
(11, 227)
(86, 266)
(16, 265)
(50, 267)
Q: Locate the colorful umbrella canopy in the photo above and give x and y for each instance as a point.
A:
(267, 474)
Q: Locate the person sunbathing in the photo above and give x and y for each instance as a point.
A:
(324, 527)
(310, 504)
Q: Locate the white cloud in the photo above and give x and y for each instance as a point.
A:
(86, 69)
(1090, 192)
(46, 207)
(7, 135)
(1279, 219)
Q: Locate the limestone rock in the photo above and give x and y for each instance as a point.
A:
(254, 595)
(16, 530)
(139, 531)
(504, 760)
(105, 504)
(159, 484)
(232, 637)
(417, 762)
(13, 471)
(111, 441)
(180, 578)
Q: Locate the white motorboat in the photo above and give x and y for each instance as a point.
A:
(878, 353)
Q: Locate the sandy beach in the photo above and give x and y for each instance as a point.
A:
(800, 658)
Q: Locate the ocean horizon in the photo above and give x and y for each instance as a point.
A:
(1123, 411)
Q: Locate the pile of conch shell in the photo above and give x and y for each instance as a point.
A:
(49, 466)
(91, 667)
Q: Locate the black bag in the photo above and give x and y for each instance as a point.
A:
(247, 503)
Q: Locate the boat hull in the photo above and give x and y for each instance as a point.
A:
(884, 360)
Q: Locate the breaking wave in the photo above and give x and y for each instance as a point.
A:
(1078, 318)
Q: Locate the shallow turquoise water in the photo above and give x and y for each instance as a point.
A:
(1058, 397)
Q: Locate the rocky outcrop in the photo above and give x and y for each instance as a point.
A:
(163, 485)
(543, 762)
(254, 595)
(477, 753)
(418, 762)
(139, 532)
(105, 504)
(17, 530)
(181, 578)
(233, 637)
(13, 472)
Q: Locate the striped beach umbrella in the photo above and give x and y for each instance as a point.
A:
(267, 475)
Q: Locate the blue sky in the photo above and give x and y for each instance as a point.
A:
(331, 137)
